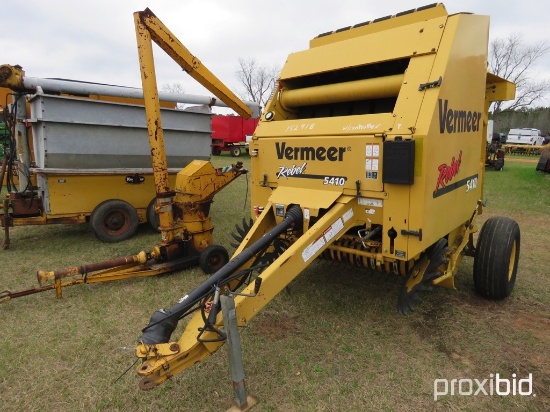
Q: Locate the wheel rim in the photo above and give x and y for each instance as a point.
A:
(116, 221)
(216, 261)
(512, 264)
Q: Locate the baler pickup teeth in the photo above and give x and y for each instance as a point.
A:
(421, 276)
(241, 232)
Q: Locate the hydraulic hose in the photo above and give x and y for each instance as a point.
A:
(164, 321)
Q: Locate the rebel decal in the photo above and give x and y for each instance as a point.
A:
(285, 171)
(457, 121)
(298, 171)
(320, 153)
(447, 173)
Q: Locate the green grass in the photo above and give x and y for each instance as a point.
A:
(332, 342)
(522, 193)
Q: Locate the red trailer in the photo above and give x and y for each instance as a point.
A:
(229, 133)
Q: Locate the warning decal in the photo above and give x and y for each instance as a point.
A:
(327, 236)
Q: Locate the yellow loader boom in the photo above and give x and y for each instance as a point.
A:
(371, 152)
(150, 28)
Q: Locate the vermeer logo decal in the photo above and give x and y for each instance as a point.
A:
(447, 173)
(457, 121)
(321, 153)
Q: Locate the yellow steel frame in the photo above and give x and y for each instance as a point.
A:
(434, 46)
(148, 29)
(162, 361)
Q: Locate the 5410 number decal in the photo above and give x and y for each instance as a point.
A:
(334, 180)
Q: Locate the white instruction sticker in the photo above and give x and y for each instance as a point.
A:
(327, 236)
(333, 230)
(369, 150)
(368, 164)
(348, 215)
(366, 201)
(312, 249)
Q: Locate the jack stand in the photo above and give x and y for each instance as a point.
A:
(243, 402)
(6, 220)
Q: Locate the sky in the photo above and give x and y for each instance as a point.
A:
(95, 41)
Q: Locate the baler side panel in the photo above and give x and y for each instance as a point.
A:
(446, 193)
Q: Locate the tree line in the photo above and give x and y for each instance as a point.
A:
(536, 118)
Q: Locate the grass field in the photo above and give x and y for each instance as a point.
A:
(332, 342)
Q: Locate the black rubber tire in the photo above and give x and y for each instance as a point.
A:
(152, 216)
(216, 151)
(496, 258)
(235, 151)
(213, 258)
(114, 220)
